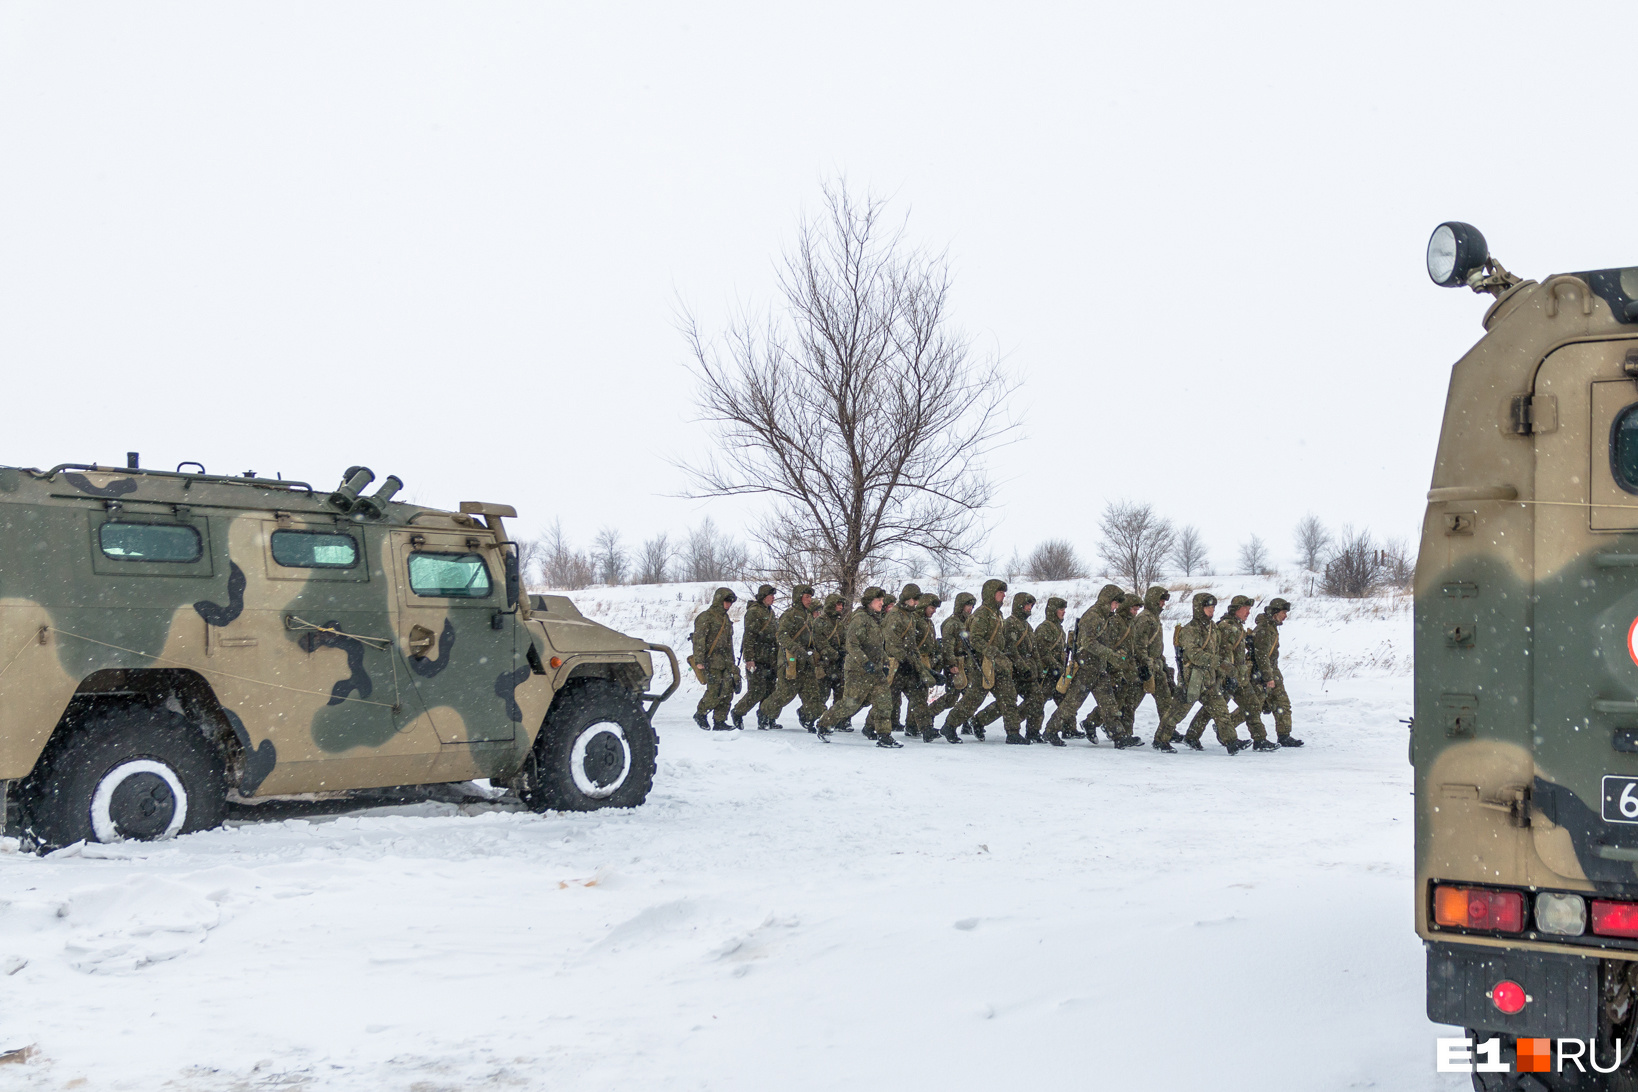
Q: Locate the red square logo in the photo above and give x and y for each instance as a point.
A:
(1535, 1055)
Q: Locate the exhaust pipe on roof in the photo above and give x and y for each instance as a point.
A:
(374, 506)
(356, 478)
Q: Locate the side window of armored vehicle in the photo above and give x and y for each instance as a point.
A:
(135, 545)
(1624, 449)
(314, 550)
(449, 576)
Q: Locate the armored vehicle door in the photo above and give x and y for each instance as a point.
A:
(456, 630)
(1584, 639)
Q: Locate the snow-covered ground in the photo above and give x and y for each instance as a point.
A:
(781, 914)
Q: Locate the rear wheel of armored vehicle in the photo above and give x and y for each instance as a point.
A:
(596, 750)
(129, 774)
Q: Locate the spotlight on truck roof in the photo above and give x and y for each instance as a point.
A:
(1455, 252)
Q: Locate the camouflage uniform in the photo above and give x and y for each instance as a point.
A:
(1149, 647)
(1234, 648)
(759, 649)
(1019, 649)
(958, 668)
(1268, 682)
(714, 658)
(909, 677)
(984, 631)
(865, 672)
(827, 659)
(1118, 688)
(1049, 642)
(927, 656)
(1196, 644)
(796, 666)
(1092, 659)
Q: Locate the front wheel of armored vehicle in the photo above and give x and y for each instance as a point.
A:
(129, 774)
(596, 750)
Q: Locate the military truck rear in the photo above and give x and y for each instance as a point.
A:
(1525, 737)
(169, 641)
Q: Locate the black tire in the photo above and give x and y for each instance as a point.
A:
(130, 773)
(596, 750)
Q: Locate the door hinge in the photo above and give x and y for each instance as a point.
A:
(1534, 414)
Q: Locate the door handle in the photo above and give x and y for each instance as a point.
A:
(421, 640)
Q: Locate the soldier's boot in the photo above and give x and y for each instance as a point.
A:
(699, 719)
(721, 725)
(1015, 736)
(1265, 745)
(845, 726)
(1290, 741)
(1235, 746)
(888, 741)
(978, 732)
(1125, 742)
(1072, 732)
(966, 727)
(1163, 745)
(1055, 739)
(822, 732)
(739, 721)
(950, 733)
(1193, 744)
(869, 732)
(1033, 735)
(808, 724)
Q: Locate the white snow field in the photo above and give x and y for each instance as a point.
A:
(782, 914)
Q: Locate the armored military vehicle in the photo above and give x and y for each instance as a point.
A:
(1525, 737)
(169, 641)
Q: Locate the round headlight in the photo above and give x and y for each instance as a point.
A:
(1455, 250)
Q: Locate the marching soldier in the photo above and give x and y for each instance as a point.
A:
(1049, 642)
(827, 653)
(1265, 650)
(864, 670)
(797, 666)
(954, 646)
(1197, 653)
(758, 650)
(1149, 646)
(993, 674)
(1231, 646)
(1091, 660)
(1017, 649)
(899, 630)
(1129, 681)
(713, 661)
(927, 655)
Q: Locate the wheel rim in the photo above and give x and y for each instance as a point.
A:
(141, 799)
(600, 760)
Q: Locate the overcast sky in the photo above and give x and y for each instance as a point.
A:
(449, 241)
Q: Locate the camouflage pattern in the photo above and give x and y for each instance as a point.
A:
(1019, 650)
(797, 668)
(1268, 684)
(1049, 641)
(1092, 658)
(864, 670)
(828, 632)
(1235, 681)
(1526, 593)
(317, 643)
(920, 713)
(1201, 682)
(899, 631)
(953, 643)
(758, 650)
(984, 631)
(713, 655)
(1149, 649)
(1117, 688)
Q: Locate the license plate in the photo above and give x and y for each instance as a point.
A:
(1620, 799)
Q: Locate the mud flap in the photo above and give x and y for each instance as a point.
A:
(1563, 991)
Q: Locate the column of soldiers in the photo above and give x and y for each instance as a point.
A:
(886, 655)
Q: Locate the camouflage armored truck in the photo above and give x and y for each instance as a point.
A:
(169, 641)
(1525, 736)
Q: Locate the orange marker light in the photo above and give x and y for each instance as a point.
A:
(1479, 908)
(556, 661)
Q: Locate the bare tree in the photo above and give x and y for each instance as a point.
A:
(1016, 566)
(531, 560)
(708, 554)
(561, 564)
(1356, 566)
(1312, 539)
(1055, 559)
(1135, 542)
(1254, 556)
(653, 559)
(1398, 564)
(856, 406)
(1188, 553)
(609, 556)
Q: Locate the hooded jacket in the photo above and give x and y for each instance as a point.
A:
(714, 634)
(1148, 633)
(866, 645)
(1197, 645)
(1048, 640)
(1231, 644)
(926, 635)
(899, 627)
(827, 646)
(796, 636)
(1015, 636)
(1118, 637)
(760, 644)
(984, 629)
(1090, 649)
(1265, 648)
(953, 638)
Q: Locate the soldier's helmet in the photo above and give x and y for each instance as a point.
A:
(799, 591)
(931, 600)
(1022, 602)
(1057, 603)
(1241, 601)
(871, 593)
(766, 590)
(1118, 596)
(725, 596)
(1156, 597)
(1275, 606)
(1204, 599)
(910, 591)
(833, 600)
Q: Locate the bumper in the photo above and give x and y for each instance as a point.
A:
(1563, 990)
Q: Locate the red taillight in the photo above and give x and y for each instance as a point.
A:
(1479, 908)
(1615, 919)
(1508, 996)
